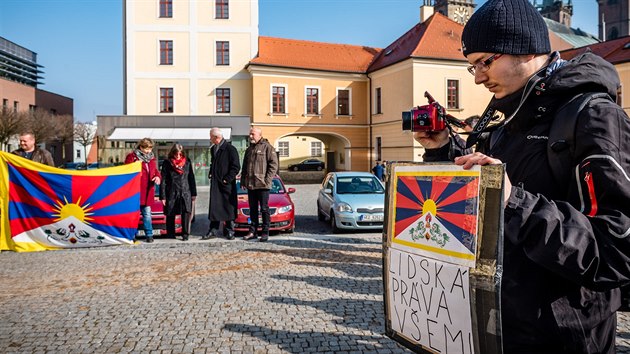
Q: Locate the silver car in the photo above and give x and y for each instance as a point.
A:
(351, 201)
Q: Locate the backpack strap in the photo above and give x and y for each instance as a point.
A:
(561, 143)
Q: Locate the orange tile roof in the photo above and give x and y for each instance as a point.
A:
(293, 53)
(438, 37)
(613, 51)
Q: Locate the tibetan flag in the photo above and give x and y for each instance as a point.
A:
(436, 211)
(43, 207)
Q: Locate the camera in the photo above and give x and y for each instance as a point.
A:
(428, 118)
(423, 118)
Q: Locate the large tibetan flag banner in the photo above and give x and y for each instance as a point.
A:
(436, 212)
(45, 208)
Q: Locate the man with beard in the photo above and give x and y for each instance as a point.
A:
(260, 165)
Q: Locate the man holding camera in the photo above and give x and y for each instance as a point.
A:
(567, 242)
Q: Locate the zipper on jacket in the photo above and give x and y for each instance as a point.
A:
(588, 178)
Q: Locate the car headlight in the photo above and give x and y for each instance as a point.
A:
(285, 209)
(344, 207)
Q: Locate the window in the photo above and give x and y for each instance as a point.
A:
(278, 97)
(78, 153)
(53, 111)
(166, 100)
(343, 102)
(452, 94)
(16, 106)
(166, 52)
(222, 9)
(31, 107)
(166, 8)
(5, 103)
(312, 100)
(223, 53)
(223, 100)
(316, 148)
(379, 148)
(377, 101)
(283, 148)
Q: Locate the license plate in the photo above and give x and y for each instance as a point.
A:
(140, 233)
(371, 217)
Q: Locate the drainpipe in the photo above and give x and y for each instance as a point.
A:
(370, 119)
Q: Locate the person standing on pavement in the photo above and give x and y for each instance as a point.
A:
(567, 242)
(29, 150)
(260, 165)
(224, 167)
(178, 190)
(377, 170)
(149, 177)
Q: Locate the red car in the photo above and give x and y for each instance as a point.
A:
(281, 208)
(158, 219)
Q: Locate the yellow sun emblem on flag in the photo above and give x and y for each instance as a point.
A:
(80, 212)
(429, 206)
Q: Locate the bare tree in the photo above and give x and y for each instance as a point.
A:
(41, 123)
(84, 135)
(11, 123)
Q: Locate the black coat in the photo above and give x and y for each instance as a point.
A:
(567, 243)
(224, 167)
(177, 188)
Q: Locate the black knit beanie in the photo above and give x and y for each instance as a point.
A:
(506, 27)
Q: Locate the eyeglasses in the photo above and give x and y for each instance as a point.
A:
(483, 65)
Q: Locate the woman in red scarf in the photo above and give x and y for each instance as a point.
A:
(178, 190)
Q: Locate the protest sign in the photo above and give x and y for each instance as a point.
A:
(442, 246)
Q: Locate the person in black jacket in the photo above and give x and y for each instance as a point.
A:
(178, 190)
(224, 168)
(567, 246)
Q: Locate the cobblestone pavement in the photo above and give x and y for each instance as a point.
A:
(304, 292)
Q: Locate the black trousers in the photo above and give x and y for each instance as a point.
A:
(227, 225)
(259, 198)
(170, 224)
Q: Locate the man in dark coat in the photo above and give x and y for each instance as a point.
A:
(567, 242)
(224, 167)
(29, 150)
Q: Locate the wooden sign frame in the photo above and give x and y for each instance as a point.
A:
(435, 304)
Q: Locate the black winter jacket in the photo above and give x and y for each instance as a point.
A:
(567, 243)
(177, 189)
(223, 170)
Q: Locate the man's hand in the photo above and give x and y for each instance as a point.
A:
(477, 158)
(432, 140)
(164, 202)
(156, 180)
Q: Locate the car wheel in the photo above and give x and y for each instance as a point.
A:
(333, 223)
(319, 168)
(320, 214)
(295, 168)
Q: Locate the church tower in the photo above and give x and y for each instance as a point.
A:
(613, 19)
(457, 10)
(556, 10)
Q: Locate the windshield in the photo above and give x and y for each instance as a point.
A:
(359, 185)
(276, 187)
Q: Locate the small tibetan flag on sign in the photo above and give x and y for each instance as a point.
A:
(43, 207)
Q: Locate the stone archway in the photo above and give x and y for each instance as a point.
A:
(333, 144)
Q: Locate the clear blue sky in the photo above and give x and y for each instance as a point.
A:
(79, 42)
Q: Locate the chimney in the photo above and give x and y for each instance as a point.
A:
(426, 10)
